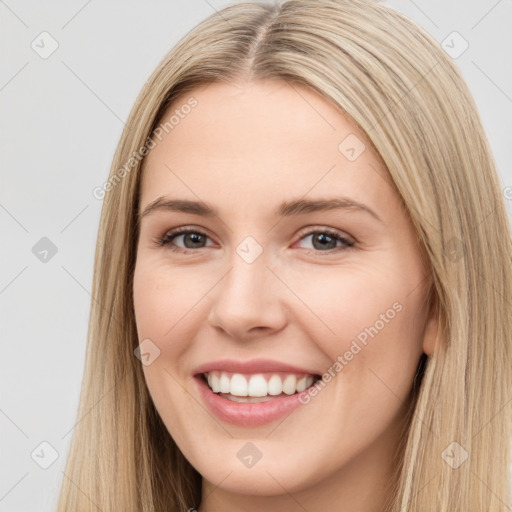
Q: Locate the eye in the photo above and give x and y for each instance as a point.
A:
(192, 238)
(325, 240)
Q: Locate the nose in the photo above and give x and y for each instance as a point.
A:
(248, 300)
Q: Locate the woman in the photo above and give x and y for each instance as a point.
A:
(302, 283)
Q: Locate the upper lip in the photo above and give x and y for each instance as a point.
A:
(251, 366)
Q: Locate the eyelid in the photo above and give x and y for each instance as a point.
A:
(318, 228)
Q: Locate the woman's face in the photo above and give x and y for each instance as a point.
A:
(284, 275)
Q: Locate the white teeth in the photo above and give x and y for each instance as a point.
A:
(214, 382)
(257, 386)
(224, 383)
(289, 384)
(301, 384)
(275, 385)
(237, 384)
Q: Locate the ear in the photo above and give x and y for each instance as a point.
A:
(431, 333)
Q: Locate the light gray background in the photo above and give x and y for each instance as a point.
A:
(61, 120)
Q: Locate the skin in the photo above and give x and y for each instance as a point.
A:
(244, 149)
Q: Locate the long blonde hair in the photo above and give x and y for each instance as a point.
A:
(396, 83)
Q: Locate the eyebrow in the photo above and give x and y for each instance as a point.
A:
(286, 209)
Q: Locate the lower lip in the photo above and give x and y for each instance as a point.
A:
(247, 414)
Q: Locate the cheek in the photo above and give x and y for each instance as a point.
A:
(162, 314)
(369, 324)
(165, 301)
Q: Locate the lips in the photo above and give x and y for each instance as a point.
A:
(252, 366)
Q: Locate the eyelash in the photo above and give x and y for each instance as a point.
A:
(168, 237)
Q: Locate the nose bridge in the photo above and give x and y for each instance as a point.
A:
(248, 271)
(247, 296)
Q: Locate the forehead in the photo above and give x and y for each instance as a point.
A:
(262, 141)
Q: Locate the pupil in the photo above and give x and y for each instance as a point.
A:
(323, 237)
(196, 239)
